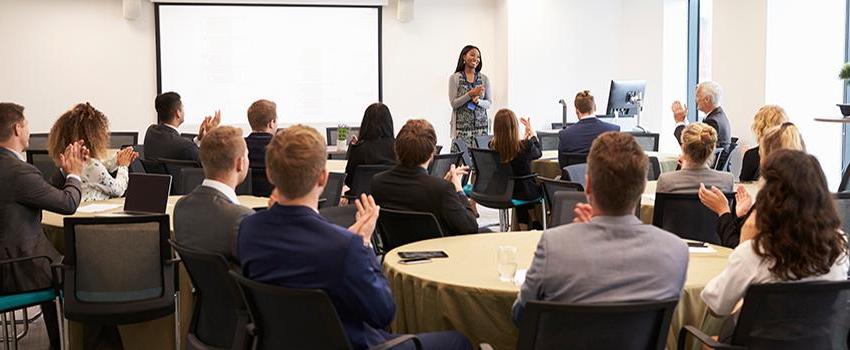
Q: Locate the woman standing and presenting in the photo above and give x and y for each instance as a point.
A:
(469, 95)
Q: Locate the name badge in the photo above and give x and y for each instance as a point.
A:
(471, 106)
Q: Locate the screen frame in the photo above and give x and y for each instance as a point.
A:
(380, 34)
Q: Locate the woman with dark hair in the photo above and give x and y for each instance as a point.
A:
(469, 95)
(797, 234)
(376, 141)
(519, 153)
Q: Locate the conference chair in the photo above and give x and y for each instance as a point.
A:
(153, 166)
(483, 141)
(563, 206)
(722, 160)
(575, 173)
(397, 228)
(118, 270)
(119, 139)
(654, 170)
(11, 302)
(443, 162)
(647, 140)
(550, 186)
(845, 179)
(285, 318)
(568, 158)
(332, 134)
(807, 315)
(191, 178)
(219, 315)
(343, 216)
(174, 167)
(42, 161)
(549, 140)
(684, 215)
(38, 141)
(136, 166)
(439, 149)
(333, 190)
(559, 125)
(494, 184)
(189, 136)
(460, 145)
(362, 181)
(631, 326)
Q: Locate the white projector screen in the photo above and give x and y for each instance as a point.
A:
(320, 64)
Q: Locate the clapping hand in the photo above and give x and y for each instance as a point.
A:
(714, 199)
(476, 91)
(743, 201)
(584, 212)
(529, 130)
(679, 112)
(367, 217)
(455, 174)
(74, 158)
(209, 123)
(126, 156)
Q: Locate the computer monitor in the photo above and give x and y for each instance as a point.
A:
(626, 98)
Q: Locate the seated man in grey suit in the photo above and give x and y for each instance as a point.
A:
(208, 218)
(698, 141)
(607, 255)
(23, 195)
(708, 94)
(163, 140)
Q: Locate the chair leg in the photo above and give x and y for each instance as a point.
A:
(503, 220)
(25, 323)
(545, 223)
(177, 320)
(6, 340)
(63, 337)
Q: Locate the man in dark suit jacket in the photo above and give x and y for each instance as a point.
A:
(262, 115)
(163, 140)
(408, 186)
(23, 195)
(708, 95)
(291, 245)
(578, 137)
(208, 218)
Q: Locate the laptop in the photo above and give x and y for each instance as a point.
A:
(146, 194)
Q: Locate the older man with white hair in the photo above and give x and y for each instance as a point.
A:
(708, 97)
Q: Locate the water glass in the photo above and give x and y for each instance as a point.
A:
(506, 260)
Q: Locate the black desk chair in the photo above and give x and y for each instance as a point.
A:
(460, 146)
(119, 139)
(42, 161)
(397, 228)
(343, 216)
(174, 167)
(136, 166)
(684, 215)
(333, 190)
(647, 140)
(549, 140)
(118, 270)
(654, 170)
(575, 173)
(630, 326)
(219, 315)
(494, 184)
(260, 185)
(483, 141)
(362, 181)
(567, 158)
(38, 141)
(845, 179)
(153, 166)
(285, 318)
(809, 315)
(563, 206)
(550, 186)
(723, 158)
(14, 301)
(443, 162)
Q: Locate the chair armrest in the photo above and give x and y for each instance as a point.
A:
(529, 176)
(703, 338)
(398, 341)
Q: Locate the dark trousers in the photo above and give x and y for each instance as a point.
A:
(51, 323)
(449, 340)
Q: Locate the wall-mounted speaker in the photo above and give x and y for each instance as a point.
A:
(405, 11)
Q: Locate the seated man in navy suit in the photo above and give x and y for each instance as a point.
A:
(291, 245)
(578, 137)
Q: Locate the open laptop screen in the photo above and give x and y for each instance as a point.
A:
(147, 193)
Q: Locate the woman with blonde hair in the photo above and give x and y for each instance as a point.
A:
(738, 226)
(767, 117)
(84, 122)
(519, 152)
(698, 144)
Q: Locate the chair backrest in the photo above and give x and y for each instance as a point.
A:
(567, 158)
(549, 140)
(810, 315)
(439, 149)
(118, 139)
(332, 134)
(845, 179)
(333, 190)
(117, 263)
(136, 166)
(217, 302)
(647, 140)
(189, 136)
(559, 125)
(638, 325)
(190, 178)
(285, 318)
(344, 216)
(493, 182)
(443, 162)
(38, 141)
(654, 170)
(153, 166)
(174, 167)
(246, 187)
(459, 145)
(721, 160)
(397, 227)
(550, 186)
(684, 215)
(575, 173)
(563, 205)
(260, 185)
(363, 174)
(483, 141)
(42, 161)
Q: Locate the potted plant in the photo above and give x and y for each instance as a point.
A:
(342, 137)
(845, 75)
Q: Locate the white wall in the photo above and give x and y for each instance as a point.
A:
(58, 53)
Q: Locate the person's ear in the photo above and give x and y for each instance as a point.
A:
(587, 189)
(322, 181)
(240, 163)
(19, 129)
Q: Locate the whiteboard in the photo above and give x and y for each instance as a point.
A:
(320, 64)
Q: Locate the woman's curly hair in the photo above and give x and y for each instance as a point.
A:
(82, 122)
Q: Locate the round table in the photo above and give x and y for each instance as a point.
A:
(463, 292)
(547, 165)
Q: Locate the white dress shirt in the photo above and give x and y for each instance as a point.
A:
(228, 191)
